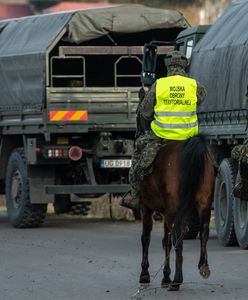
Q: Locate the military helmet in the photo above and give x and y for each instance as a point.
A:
(176, 58)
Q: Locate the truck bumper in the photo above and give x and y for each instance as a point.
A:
(87, 189)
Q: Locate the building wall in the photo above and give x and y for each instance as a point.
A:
(8, 11)
(13, 1)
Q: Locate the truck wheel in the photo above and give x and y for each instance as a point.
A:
(21, 213)
(223, 203)
(62, 204)
(82, 208)
(240, 214)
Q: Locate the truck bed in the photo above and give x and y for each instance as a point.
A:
(107, 108)
(226, 125)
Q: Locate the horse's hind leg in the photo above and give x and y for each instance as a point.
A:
(204, 234)
(167, 244)
(145, 240)
(178, 244)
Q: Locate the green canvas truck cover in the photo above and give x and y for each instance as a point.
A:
(24, 43)
(220, 61)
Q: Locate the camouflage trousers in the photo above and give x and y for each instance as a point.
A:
(240, 153)
(145, 151)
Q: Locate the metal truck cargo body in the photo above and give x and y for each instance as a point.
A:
(220, 62)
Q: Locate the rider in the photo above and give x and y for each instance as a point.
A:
(170, 106)
(240, 154)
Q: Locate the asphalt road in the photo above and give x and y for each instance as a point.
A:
(98, 259)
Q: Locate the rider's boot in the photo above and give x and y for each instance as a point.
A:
(130, 200)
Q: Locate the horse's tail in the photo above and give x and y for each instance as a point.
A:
(193, 162)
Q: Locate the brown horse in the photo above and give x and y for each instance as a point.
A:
(182, 183)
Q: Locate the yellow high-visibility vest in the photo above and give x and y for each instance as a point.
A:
(175, 115)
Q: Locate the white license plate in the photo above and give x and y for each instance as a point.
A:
(115, 163)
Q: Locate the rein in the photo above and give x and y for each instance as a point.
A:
(145, 288)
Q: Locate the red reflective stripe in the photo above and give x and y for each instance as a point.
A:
(52, 114)
(68, 115)
(84, 116)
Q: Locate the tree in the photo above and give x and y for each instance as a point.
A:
(161, 3)
(39, 5)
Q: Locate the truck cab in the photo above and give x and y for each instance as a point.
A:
(154, 53)
(188, 38)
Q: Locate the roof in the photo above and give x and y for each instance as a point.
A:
(36, 33)
(8, 11)
(65, 6)
(223, 56)
(201, 29)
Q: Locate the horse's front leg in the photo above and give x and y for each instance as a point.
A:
(167, 244)
(145, 240)
(178, 244)
(204, 234)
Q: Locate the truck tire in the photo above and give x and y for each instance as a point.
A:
(21, 213)
(82, 208)
(240, 214)
(62, 205)
(223, 202)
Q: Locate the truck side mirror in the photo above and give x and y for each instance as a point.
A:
(149, 62)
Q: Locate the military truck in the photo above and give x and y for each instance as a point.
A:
(222, 57)
(218, 59)
(68, 96)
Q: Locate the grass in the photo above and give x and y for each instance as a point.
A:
(3, 208)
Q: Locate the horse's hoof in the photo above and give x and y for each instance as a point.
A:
(173, 287)
(165, 283)
(144, 278)
(204, 271)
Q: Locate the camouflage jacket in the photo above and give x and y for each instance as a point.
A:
(240, 152)
(147, 105)
(143, 124)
